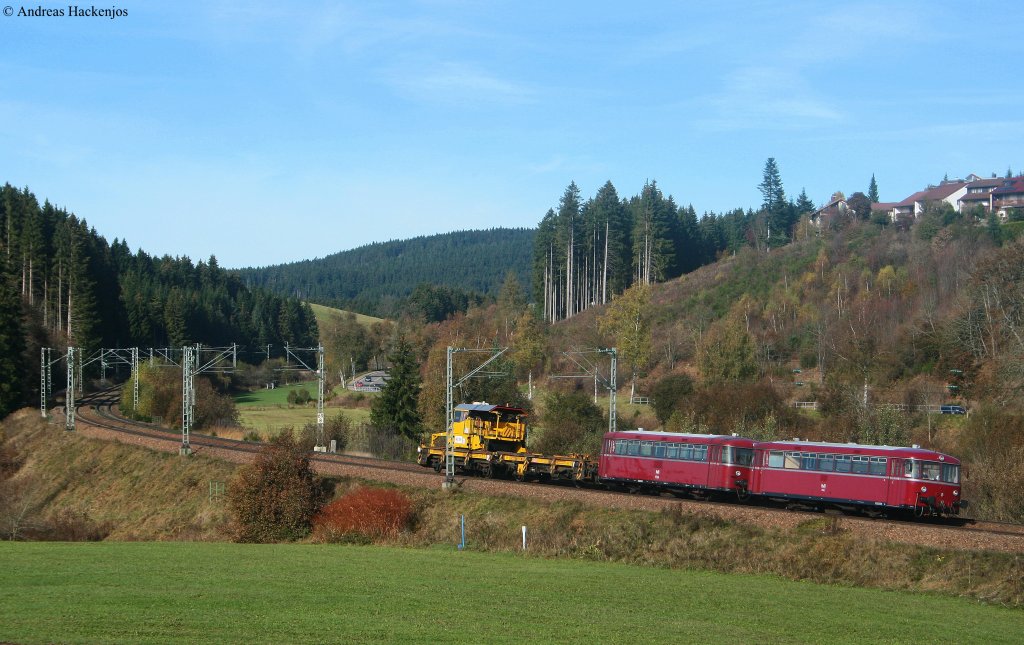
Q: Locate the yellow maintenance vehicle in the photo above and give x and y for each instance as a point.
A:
(490, 440)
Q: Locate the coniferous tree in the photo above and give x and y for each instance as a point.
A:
(873, 190)
(396, 409)
(804, 205)
(12, 344)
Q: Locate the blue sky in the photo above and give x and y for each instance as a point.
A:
(267, 132)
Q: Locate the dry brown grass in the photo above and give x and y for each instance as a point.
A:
(138, 494)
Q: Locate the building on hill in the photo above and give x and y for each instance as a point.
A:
(912, 207)
(883, 207)
(836, 207)
(964, 195)
(978, 194)
(1007, 201)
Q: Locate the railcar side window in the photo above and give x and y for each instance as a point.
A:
(659, 449)
(860, 465)
(775, 459)
(620, 446)
(878, 465)
(645, 448)
(826, 463)
(634, 448)
(700, 453)
(807, 461)
(673, 451)
(793, 460)
(843, 464)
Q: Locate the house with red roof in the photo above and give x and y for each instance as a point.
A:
(978, 194)
(913, 206)
(1007, 200)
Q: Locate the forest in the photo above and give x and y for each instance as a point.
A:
(378, 279)
(588, 251)
(64, 284)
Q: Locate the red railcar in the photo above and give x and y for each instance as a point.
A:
(853, 476)
(696, 463)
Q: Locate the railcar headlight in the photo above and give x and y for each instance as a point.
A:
(956, 493)
(419, 449)
(738, 473)
(924, 489)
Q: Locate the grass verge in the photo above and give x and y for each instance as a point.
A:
(215, 593)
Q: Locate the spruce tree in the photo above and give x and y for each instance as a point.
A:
(873, 190)
(12, 344)
(396, 409)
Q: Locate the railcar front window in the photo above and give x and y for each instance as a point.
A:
(950, 474)
(931, 470)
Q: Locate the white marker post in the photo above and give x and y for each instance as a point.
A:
(524, 538)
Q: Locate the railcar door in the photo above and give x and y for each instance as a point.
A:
(897, 484)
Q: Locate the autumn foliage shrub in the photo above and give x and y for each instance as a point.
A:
(275, 498)
(365, 513)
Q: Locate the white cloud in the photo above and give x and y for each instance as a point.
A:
(456, 82)
(766, 97)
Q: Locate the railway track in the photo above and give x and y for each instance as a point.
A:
(103, 404)
(98, 411)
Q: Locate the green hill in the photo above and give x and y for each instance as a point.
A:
(377, 278)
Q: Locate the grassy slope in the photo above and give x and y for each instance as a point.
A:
(325, 316)
(143, 495)
(215, 593)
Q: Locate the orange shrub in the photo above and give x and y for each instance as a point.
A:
(370, 513)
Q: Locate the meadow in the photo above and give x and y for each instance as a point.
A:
(268, 411)
(166, 592)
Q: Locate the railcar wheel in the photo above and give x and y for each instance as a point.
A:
(742, 494)
(437, 465)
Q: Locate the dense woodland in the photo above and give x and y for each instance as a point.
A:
(588, 251)
(453, 269)
(63, 283)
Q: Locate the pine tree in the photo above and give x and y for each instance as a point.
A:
(396, 409)
(804, 204)
(873, 190)
(12, 344)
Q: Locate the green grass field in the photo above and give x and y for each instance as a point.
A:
(164, 592)
(325, 315)
(267, 411)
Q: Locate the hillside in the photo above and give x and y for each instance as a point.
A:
(873, 326)
(62, 283)
(376, 279)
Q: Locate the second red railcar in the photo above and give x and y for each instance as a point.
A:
(914, 480)
(676, 462)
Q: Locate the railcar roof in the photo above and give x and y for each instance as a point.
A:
(651, 434)
(902, 451)
(487, 407)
